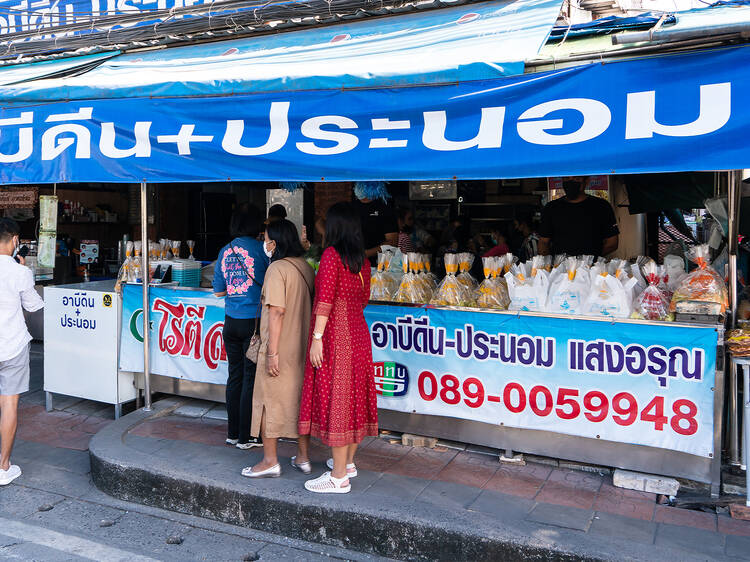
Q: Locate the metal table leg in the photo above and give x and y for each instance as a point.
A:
(48, 401)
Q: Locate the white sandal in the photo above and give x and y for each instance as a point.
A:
(327, 484)
(351, 469)
(303, 467)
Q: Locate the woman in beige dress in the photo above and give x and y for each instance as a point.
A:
(284, 328)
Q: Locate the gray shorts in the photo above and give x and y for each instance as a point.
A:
(14, 374)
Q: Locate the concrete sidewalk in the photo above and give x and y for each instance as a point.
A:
(413, 503)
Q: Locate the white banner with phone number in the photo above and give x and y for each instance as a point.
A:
(638, 383)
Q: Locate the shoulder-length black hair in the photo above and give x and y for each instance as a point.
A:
(285, 234)
(246, 222)
(344, 234)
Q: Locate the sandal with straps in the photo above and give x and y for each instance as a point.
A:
(327, 484)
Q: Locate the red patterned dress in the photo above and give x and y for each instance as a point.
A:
(339, 404)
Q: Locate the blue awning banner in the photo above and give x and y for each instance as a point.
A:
(681, 112)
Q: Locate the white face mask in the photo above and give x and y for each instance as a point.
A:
(269, 253)
(15, 248)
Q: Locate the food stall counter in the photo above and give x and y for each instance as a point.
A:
(629, 393)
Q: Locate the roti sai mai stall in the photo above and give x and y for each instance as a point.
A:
(428, 96)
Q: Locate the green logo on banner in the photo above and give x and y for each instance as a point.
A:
(391, 379)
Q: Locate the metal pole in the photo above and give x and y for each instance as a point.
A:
(734, 180)
(733, 202)
(146, 307)
(745, 421)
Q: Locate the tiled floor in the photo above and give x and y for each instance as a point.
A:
(58, 428)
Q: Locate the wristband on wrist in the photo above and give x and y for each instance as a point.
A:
(272, 354)
(317, 335)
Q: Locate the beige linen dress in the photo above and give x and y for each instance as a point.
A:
(279, 397)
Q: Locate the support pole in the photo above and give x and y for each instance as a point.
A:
(746, 429)
(146, 307)
(734, 187)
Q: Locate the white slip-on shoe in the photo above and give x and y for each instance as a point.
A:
(327, 484)
(351, 469)
(303, 467)
(7, 476)
(273, 472)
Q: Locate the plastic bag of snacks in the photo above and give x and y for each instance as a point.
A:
(568, 293)
(416, 264)
(675, 266)
(467, 285)
(652, 303)
(409, 290)
(636, 270)
(493, 291)
(449, 291)
(431, 277)
(465, 262)
(609, 296)
(528, 286)
(126, 274)
(738, 342)
(381, 284)
(703, 291)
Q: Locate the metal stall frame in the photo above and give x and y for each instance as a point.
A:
(145, 274)
(734, 190)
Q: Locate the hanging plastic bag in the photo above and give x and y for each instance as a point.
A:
(449, 292)
(422, 284)
(559, 259)
(675, 269)
(568, 294)
(609, 296)
(381, 283)
(652, 303)
(408, 290)
(466, 261)
(136, 265)
(492, 292)
(703, 291)
(126, 273)
(527, 291)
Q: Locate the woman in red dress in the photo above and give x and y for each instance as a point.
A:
(339, 405)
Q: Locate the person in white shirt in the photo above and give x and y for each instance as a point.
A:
(16, 292)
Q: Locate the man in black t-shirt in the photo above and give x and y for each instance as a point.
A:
(379, 225)
(578, 224)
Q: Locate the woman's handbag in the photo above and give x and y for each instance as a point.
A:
(253, 350)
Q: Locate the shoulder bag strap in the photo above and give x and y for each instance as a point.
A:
(304, 277)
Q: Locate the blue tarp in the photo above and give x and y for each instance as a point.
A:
(471, 42)
(611, 24)
(19, 73)
(670, 113)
